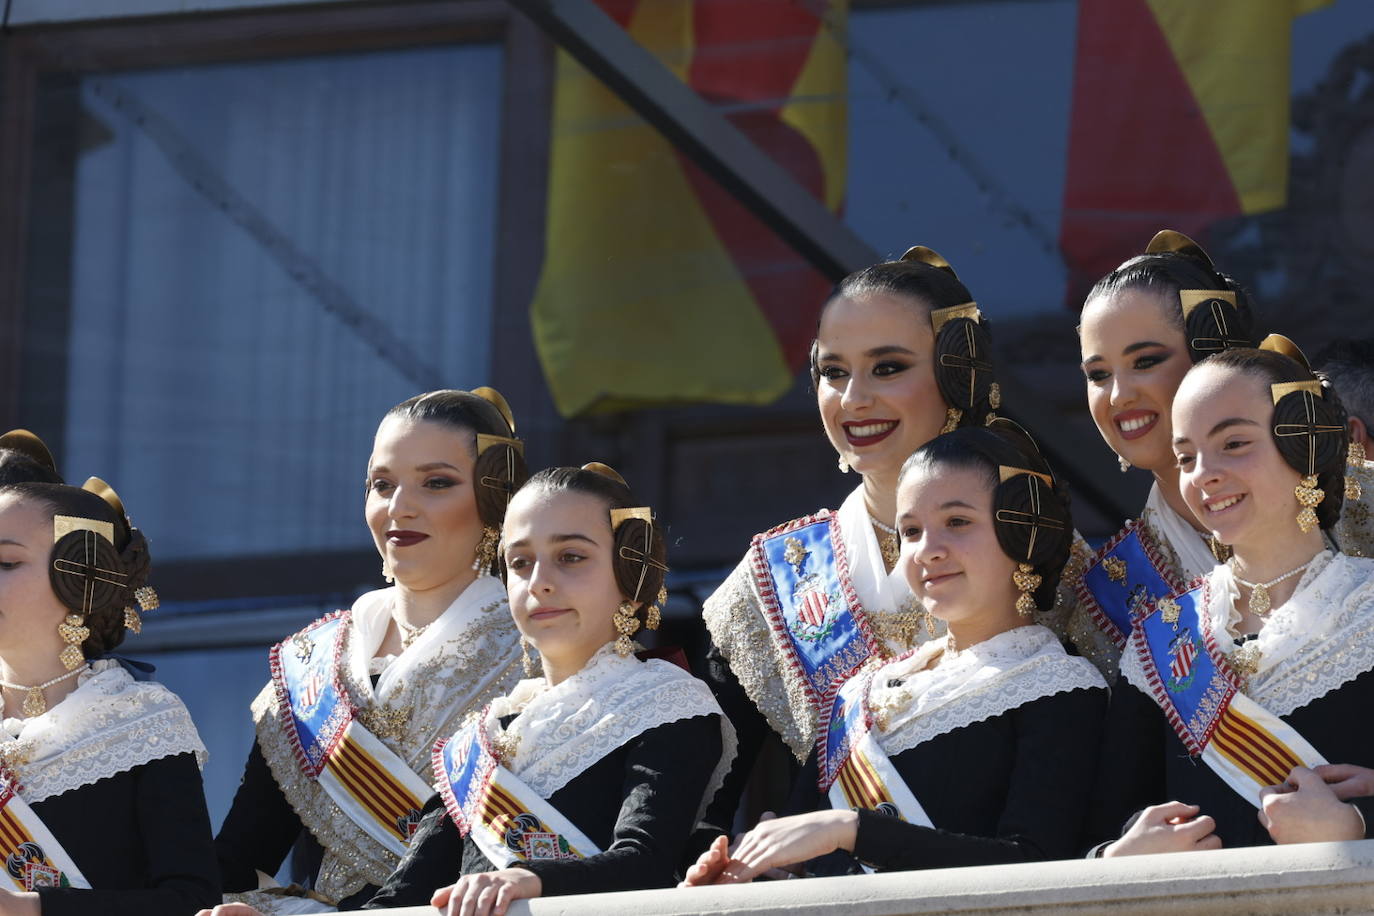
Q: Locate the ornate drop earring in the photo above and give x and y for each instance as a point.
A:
(844, 465)
(1027, 581)
(1123, 464)
(654, 616)
(386, 572)
(486, 550)
(74, 632)
(626, 623)
(1309, 497)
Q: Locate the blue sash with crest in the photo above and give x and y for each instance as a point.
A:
(1200, 694)
(318, 708)
(1181, 666)
(845, 721)
(369, 782)
(854, 770)
(507, 819)
(803, 577)
(1124, 574)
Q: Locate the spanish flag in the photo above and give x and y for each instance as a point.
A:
(657, 286)
(1180, 118)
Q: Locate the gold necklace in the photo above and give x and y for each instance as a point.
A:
(34, 702)
(409, 633)
(1259, 603)
(888, 543)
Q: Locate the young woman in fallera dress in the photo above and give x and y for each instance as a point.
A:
(589, 777)
(969, 749)
(100, 784)
(901, 353)
(1236, 694)
(387, 678)
(1143, 326)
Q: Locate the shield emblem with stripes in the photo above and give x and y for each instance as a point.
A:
(813, 606)
(1183, 650)
(312, 688)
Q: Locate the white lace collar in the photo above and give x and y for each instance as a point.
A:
(372, 617)
(1317, 640)
(1190, 547)
(913, 704)
(108, 725)
(564, 729)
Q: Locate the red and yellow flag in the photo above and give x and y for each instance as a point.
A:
(1180, 117)
(657, 286)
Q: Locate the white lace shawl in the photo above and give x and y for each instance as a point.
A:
(985, 680)
(564, 729)
(108, 725)
(1190, 548)
(1317, 640)
(476, 632)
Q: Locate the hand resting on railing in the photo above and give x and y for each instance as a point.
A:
(1311, 806)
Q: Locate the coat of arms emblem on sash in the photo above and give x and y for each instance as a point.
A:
(809, 595)
(311, 690)
(1183, 650)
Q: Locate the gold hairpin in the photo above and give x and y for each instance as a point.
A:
(640, 512)
(63, 525)
(940, 317)
(640, 556)
(1005, 473)
(1279, 390)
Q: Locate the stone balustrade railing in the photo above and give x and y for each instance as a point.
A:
(1309, 879)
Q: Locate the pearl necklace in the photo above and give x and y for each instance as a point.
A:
(34, 703)
(409, 633)
(1260, 604)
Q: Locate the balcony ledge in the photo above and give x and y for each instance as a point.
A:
(1311, 878)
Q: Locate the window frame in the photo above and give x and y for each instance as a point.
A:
(36, 58)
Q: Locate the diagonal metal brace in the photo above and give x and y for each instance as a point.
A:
(702, 134)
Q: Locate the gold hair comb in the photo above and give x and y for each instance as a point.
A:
(1277, 343)
(26, 443)
(605, 470)
(494, 398)
(1171, 241)
(1005, 473)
